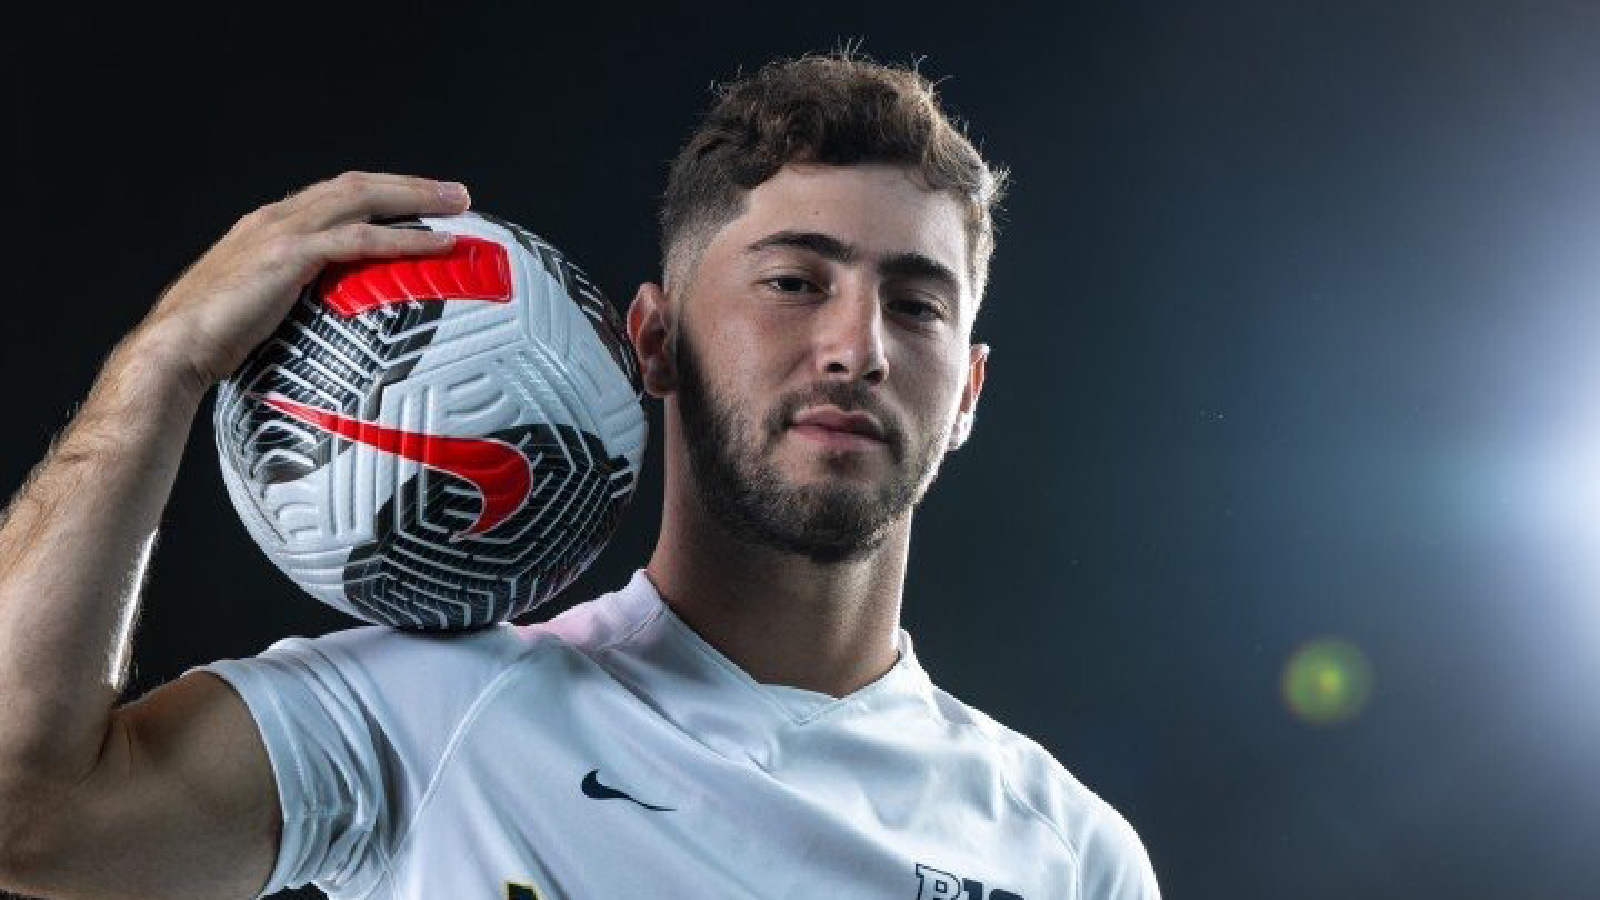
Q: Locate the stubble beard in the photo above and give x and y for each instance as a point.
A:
(744, 493)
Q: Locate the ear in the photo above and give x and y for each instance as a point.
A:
(650, 329)
(977, 361)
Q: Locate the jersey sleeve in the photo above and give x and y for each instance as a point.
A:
(356, 725)
(1112, 862)
(1115, 865)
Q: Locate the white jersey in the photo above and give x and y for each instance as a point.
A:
(612, 753)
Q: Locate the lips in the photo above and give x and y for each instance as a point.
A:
(834, 419)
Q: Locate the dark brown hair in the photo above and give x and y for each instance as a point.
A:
(838, 108)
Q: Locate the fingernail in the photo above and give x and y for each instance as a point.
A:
(453, 192)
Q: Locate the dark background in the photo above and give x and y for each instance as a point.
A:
(1292, 317)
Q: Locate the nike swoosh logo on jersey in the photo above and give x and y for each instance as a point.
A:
(593, 788)
(500, 472)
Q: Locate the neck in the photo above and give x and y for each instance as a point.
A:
(780, 617)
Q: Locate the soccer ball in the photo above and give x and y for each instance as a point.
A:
(438, 442)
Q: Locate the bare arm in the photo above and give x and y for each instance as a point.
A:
(171, 796)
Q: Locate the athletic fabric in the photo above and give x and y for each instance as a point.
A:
(611, 752)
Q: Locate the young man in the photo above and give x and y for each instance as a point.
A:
(745, 718)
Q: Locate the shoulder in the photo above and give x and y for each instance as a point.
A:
(394, 657)
(1112, 859)
(425, 655)
(427, 676)
(373, 690)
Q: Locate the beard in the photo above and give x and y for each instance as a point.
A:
(835, 521)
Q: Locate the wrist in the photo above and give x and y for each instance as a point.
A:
(154, 358)
(143, 394)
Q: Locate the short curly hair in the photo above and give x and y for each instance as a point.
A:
(838, 108)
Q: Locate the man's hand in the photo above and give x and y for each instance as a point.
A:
(235, 295)
(172, 796)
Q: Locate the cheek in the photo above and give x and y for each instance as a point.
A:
(733, 385)
(936, 390)
(755, 355)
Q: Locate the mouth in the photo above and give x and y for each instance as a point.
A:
(837, 419)
(837, 429)
(836, 438)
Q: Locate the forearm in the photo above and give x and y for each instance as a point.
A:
(74, 545)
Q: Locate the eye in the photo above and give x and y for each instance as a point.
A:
(790, 284)
(918, 308)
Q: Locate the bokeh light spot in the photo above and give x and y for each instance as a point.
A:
(1327, 681)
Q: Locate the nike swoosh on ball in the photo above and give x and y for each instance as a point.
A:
(500, 472)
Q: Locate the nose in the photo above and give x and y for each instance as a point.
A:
(850, 338)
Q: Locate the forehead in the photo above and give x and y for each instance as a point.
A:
(879, 209)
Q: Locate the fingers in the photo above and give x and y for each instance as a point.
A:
(361, 196)
(231, 298)
(350, 242)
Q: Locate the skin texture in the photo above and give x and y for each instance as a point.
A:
(171, 796)
(785, 554)
(795, 573)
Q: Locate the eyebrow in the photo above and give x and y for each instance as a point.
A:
(905, 264)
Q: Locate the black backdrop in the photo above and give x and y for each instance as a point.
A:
(1290, 317)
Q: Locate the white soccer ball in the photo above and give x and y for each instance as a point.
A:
(438, 442)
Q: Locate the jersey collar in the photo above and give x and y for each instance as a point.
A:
(705, 693)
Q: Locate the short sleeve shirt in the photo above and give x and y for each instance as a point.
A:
(611, 752)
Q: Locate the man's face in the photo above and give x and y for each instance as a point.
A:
(836, 301)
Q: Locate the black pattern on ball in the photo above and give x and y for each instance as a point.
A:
(414, 575)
